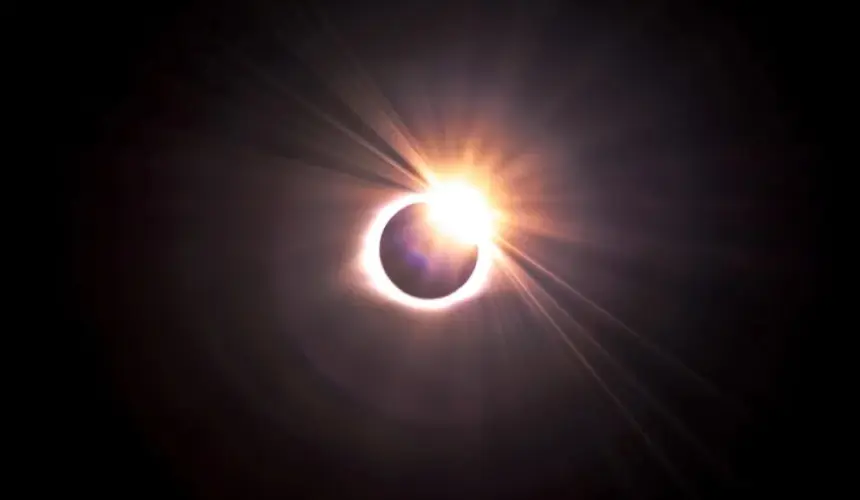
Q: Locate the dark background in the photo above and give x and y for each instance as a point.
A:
(128, 73)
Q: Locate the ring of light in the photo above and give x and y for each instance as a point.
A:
(372, 263)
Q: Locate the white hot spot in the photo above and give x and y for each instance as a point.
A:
(461, 212)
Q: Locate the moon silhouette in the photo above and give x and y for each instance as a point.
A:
(419, 261)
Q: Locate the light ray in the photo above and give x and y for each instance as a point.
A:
(674, 421)
(650, 345)
(419, 182)
(511, 273)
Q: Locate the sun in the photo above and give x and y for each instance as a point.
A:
(459, 212)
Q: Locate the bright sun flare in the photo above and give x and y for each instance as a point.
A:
(460, 211)
(457, 210)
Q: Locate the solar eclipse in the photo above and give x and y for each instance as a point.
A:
(431, 250)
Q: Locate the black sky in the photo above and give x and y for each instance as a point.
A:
(183, 384)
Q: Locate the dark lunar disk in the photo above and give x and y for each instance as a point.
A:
(421, 262)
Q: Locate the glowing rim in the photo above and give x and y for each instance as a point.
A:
(372, 263)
